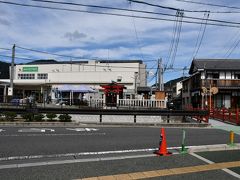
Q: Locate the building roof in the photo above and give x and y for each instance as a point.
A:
(214, 64)
(52, 61)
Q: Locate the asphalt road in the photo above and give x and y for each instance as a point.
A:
(62, 140)
(25, 141)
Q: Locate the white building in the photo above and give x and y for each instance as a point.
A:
(42, 78)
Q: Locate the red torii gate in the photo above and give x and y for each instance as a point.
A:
(111, 92)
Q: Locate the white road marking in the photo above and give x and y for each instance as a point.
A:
(76, 154)
(81, 129)
(211, 162)
(36, 130)
(71, 134)
(10, 166)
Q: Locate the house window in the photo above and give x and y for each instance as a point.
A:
(26, 76)
(42, 76)
(215, 75)
(236, 75)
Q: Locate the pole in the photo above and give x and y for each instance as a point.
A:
(183, 150)
(160, 75)
(210, 98)
(12, 69)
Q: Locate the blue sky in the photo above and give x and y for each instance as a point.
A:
(111, 37)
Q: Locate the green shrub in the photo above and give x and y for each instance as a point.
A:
(39, 117)
(65, 118)
(9, 116)
(51, 116)
(28, 116)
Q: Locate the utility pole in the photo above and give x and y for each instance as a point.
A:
(10, 90)
(160, 75)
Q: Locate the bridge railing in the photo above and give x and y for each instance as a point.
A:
(129, 103)
(226, 115)
(148, 103)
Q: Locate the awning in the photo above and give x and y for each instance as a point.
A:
(75, 88)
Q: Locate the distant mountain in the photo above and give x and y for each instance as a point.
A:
(4, 70)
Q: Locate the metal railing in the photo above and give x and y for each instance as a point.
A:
(130, 103)
(148, 103)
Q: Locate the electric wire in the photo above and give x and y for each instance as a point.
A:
(128, 10)
(234, 38)
(136, 33)
(209, 4)
(172, 42)
(160, 6)
(66, 56)
(217, 23)
(200, 42)
(179, 28)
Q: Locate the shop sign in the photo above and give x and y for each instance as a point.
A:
(30, 69)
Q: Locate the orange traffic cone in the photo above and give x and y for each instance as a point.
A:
(162, 151)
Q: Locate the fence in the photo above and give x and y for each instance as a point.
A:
(131, 103)
(226, 115)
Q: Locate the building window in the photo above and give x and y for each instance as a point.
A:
(42, 76)
(215, 75)
(236, 75)
(26, 76)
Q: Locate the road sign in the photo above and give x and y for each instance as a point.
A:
(82, 129)
(36, 130)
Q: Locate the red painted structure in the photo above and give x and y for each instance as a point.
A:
(111, 91)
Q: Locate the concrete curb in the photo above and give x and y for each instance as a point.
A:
(217, 147)
(71, 124)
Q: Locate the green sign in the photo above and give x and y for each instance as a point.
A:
(30, 69)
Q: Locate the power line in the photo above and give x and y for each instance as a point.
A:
(233, 48)
(128, 10)
(45, 52)
(59, 62)
(61, 55)
(200, 42)
(6, 49)
(160, 6)
(172, 42)
(209, 4)
(136, 33)
(178, 33)
(223, 24)
(234, 38)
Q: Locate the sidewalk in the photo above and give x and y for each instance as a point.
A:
(224, 126)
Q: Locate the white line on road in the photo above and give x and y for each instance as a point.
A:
(71, 134)
(35, 130)
(81, 129)
(198, 148)
(211, 162)
(76, 154)
(10, 166)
